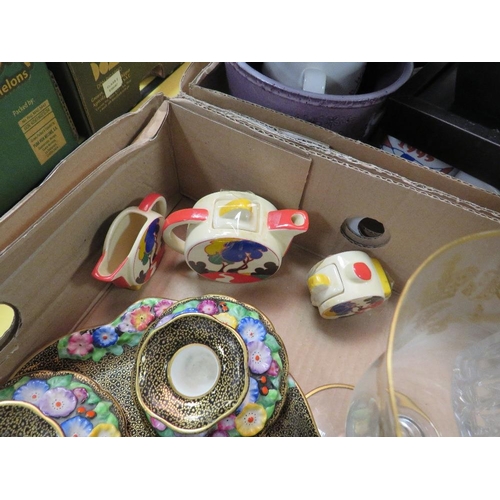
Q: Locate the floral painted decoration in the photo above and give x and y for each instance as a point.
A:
(356, 306)
(150, 253)
(73, 404)
(127, 329)
(233, 259)
(251, 420)
(264, 362)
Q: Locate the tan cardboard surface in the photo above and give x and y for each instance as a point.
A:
(46, 272)
(206, 82)
(72, 170)
(215, 156)
(418, 223)
(320, 351)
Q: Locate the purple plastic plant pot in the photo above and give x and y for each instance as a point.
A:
(353, 116)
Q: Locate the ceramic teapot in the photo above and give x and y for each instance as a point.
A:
(133, 246)
(234, 236)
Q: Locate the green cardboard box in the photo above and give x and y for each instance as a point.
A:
(36, 130)
(97, 93)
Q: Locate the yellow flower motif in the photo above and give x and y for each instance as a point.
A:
(228, 319)
(251, 420)
(142, 246)
(105, 430)
(216, 246)
(329, 313)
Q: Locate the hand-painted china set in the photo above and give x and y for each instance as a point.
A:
(235, 237)
(205, 366)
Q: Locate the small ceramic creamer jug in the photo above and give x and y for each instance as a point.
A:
(234, 236)
(133, 246)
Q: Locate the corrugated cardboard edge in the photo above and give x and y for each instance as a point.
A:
(421, 217)
(321, 149)
(192, 85)
(72, 170)
(65, 241)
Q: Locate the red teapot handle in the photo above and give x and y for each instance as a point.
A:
(178, 218)
(154, 202)
(289, 219)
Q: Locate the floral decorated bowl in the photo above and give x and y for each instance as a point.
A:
(191, 372)
(21, 419)
(267, 366)
(68, 401)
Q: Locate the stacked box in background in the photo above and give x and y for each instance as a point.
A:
(98, 92)
(36, 131)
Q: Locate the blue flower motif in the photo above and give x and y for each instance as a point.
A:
(252, 394)
(239, 250)
(104, 336)
(151, 235)
(251, 329)
(343, 308)
(58, 402)
(32, 391)
(77, 427)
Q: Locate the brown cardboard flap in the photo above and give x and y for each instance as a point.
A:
(195, 72)
(207, 82)
(47, 269)
(418, 223)
(213, 154)
(395, 178)
(72, 170)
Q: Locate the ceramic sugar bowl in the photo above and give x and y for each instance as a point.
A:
(234, 236)
(348, 283)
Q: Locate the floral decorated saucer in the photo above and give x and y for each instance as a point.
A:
(21, 419)
(267, 364)
(191, 372)
(70, 401)
(112, 373)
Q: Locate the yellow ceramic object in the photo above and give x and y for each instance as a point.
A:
(9, 321)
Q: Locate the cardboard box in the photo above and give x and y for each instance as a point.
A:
(70, 171)
(97, 93)
(207, 82)
(35, 128)
(191, 148)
